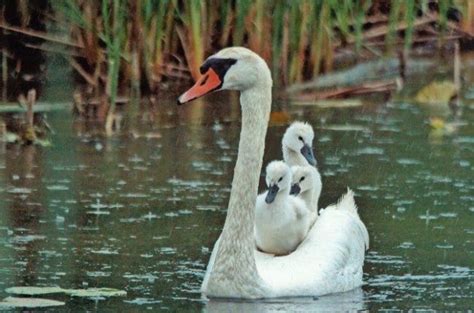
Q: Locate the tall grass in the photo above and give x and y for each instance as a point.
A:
(163, 38)
(113, 35)
(139, 43)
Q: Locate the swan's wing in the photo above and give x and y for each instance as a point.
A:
(347, 204)
(329, 260)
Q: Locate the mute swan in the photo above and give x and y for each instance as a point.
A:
(306, 184)
(297, 147)
(330, 258)
(281, 220)
(297, 144)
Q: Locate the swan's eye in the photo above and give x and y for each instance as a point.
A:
(281, 178)
(302, 178)
(300, 138)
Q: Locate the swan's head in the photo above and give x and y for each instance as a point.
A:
(278, 178)
(303, 179)
(299, 138)
(234, 68)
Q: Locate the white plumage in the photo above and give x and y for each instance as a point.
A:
(306, 183)
(329, 259)
(297, 144)
(281, 220)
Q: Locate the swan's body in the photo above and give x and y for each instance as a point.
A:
(306, 184)
(330, 258)
(281, 220)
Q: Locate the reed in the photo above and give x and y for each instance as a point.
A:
(410, 15)
(114, 32)
(140, 43)
(156, 30)
(296, 37)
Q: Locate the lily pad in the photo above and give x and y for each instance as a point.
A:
(95, 292)
(34, 291)
(437, 93)
(15, 302)
(86, 293)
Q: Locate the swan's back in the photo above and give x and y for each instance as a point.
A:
(329, 260)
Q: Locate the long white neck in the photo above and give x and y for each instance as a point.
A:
(308, 196)
(292, 157)
(235, 272)
(311, 196)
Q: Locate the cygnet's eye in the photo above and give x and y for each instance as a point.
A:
(302, 178)
(300, 138)
(281, 178)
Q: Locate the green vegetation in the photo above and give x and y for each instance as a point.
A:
(168, 38)
(135, 45)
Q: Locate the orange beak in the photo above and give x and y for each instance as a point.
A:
(208, 82)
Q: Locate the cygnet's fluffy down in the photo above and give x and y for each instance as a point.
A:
(297, 144)
(281, 220)
(306, 184)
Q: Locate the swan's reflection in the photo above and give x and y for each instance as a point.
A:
(348, 301)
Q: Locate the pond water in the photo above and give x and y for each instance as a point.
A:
(140, 211)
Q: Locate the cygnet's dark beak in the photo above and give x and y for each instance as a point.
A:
(307, 152)
(295, 189)
(271, 193)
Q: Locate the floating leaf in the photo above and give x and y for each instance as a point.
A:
(14, 302)
(87, 293)
(439, 128)
(437, 93)
(437, 123)
(96, 292)
(34, 291)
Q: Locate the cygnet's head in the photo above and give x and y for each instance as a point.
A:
(303, 179)
(278, 179)
(299, 138)
(234, 68)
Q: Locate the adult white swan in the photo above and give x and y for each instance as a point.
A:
(329, 260)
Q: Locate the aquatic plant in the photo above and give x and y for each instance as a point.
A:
(135, 45)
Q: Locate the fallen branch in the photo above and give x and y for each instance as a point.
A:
(83, 73)
(378, 31)
(381, 86)
(63, 52)
(41, 35)
(416, 40)
(378, 70)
